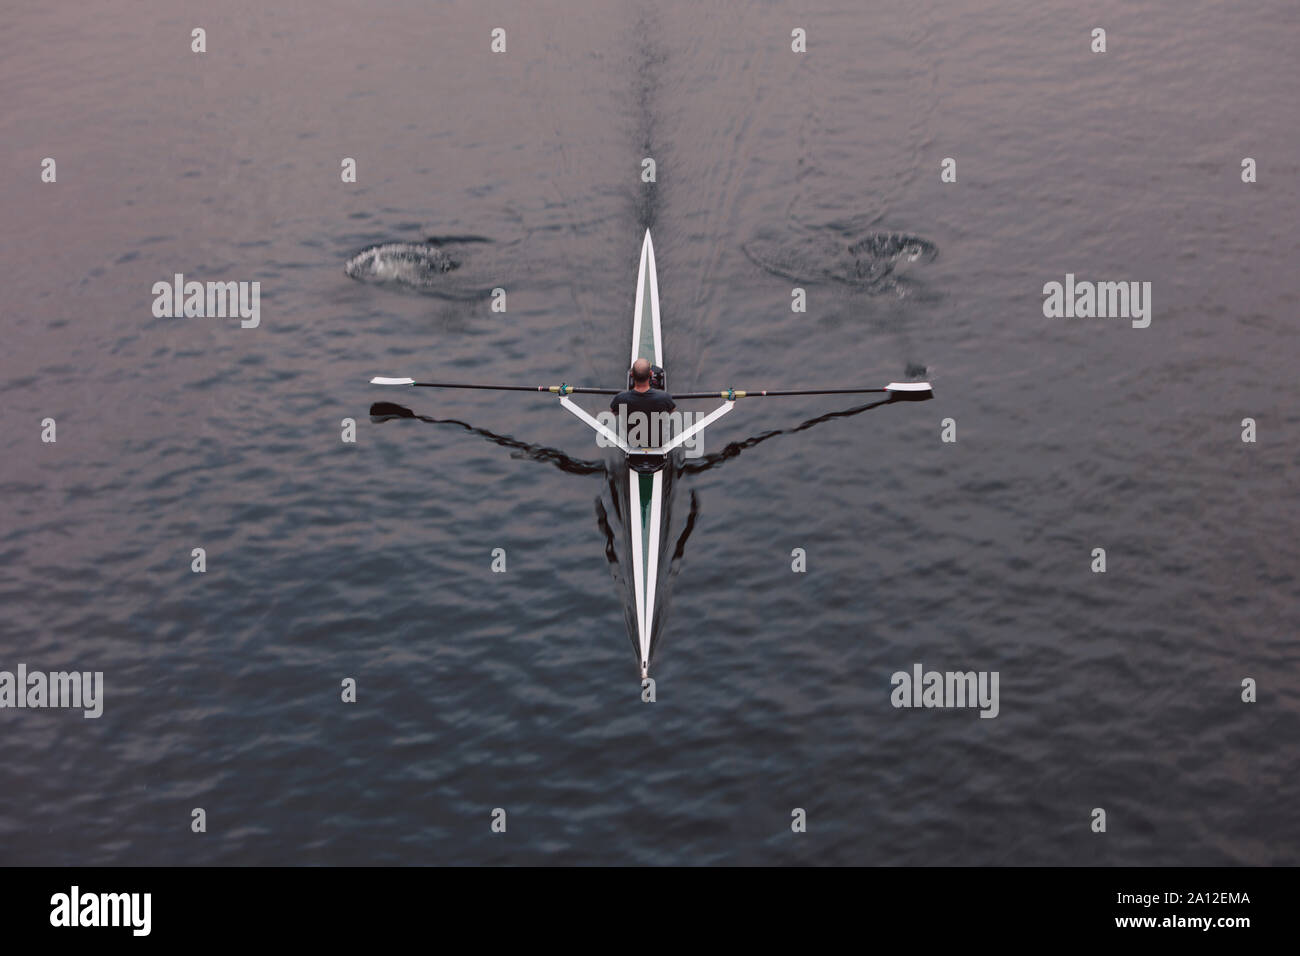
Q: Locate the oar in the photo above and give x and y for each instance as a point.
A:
(904, 390)
(555, 389)
(900, 389)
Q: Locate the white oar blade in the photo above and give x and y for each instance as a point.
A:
(908, 387)
(378, 380)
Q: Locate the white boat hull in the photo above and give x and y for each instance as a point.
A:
(646, 492)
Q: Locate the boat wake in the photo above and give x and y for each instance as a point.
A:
(874, 262)
(453, 267)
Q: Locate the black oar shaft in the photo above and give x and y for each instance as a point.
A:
(554, 389)
(770, 393)
(899, 390)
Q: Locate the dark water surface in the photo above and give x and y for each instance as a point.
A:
(518, 690)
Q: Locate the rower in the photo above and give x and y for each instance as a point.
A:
(642, 397)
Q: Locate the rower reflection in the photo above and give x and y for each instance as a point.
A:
(616, 479)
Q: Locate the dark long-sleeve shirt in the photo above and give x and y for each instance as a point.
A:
(651, 400)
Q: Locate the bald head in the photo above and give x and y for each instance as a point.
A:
(641, 371)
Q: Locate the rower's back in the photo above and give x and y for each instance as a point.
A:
(651, 396)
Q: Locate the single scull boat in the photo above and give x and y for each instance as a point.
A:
(645, 465)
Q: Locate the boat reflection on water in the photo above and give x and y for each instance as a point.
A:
(616, 475)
